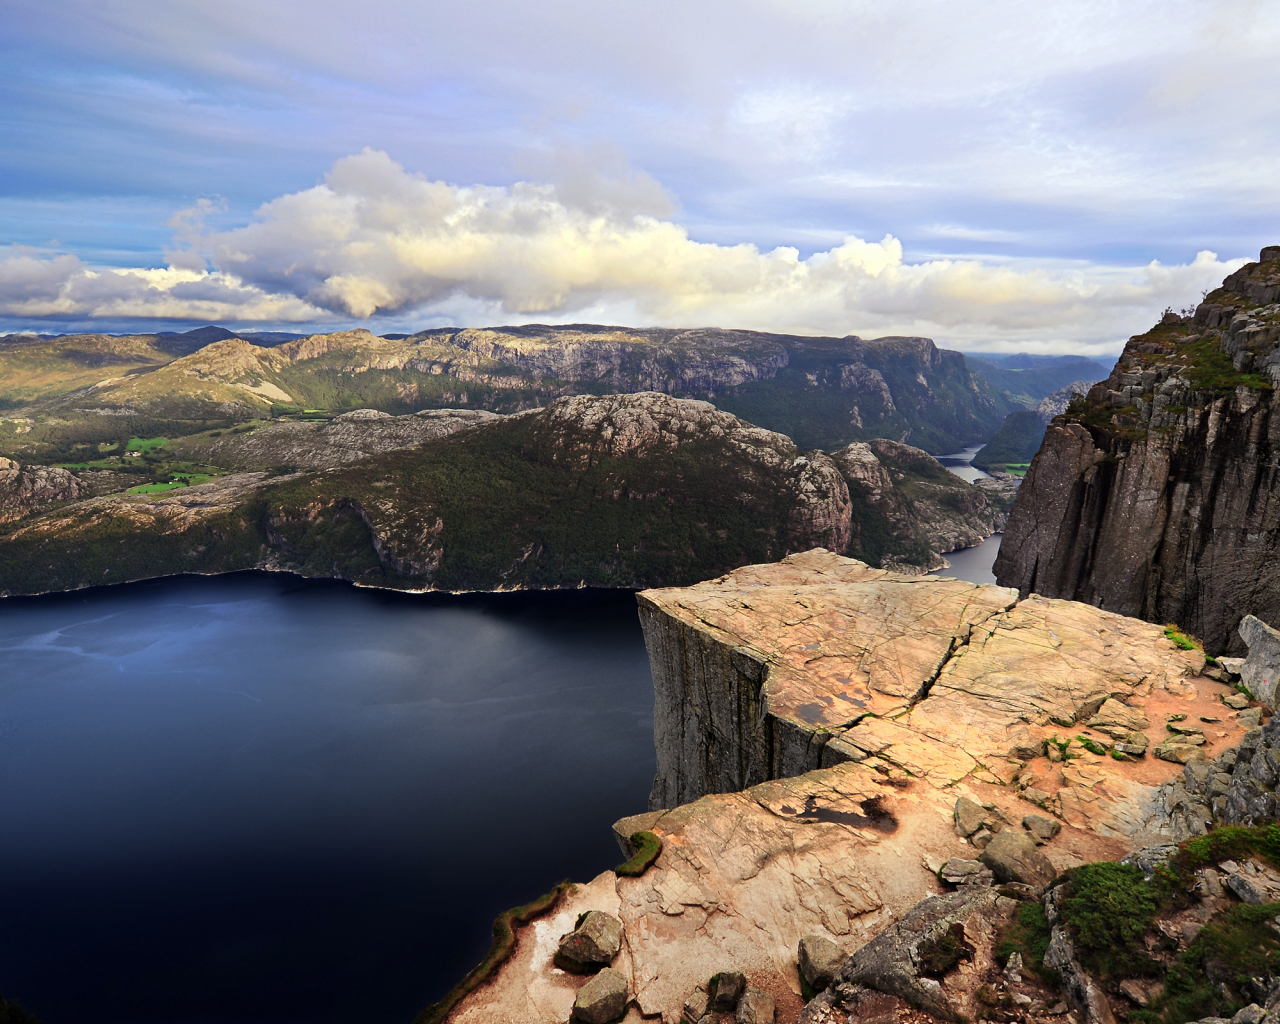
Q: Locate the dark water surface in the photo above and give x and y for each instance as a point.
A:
(256, 798)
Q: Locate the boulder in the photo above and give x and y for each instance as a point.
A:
(1042, 829)
(820, 959)
(1177, 750)
(1013, 857)
(594, 943)
(602, 999)
(970, 816)
(755, 1007)
(897, 961)
(695, 1007)
(1246, 889)
(1261, 669)
(1236, 701)
(958, 871)
(1117, 720)
(729, 988)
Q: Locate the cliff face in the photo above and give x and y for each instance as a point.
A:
(1159, 496)
(776, 670)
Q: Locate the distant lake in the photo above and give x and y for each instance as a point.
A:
(258, 798)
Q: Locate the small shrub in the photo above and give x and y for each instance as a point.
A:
(1183, 640)
(1093, 746)
(1110, 907)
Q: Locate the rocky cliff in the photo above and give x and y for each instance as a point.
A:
(775, 670)
(872, 780)
(1158, 495)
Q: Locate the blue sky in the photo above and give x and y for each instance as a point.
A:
(995, 175)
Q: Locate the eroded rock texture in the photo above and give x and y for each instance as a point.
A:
(1159, 496)
(778, 669)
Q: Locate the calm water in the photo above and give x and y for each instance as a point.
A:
(961, 464)
(972, 564)
(254, 798)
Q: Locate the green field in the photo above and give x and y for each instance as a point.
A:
(151, 444)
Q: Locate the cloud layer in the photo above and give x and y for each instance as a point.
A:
(376, 241)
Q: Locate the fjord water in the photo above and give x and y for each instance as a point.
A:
(257, 798)
(972, 564)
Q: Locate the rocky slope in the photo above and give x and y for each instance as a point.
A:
(1158, 495)
(909, 510)
(889, 883)
(612, 491)
(823, 392)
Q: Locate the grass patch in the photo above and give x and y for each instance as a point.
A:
(1029, 935)
(1231, 842)
(941, 953)
(648, 846)
(159, 488)
(1185, 641)
(146, 444)
(504, 943)
(1214, 976)
(1093, 746)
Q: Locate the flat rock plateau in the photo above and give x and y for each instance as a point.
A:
(836, 740)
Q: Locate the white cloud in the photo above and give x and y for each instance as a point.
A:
(377, 241)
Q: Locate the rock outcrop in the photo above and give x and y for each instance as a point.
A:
(1159, 496)
(909, 510)
(774, 670)
(348, 438)
(23, 491)
(781, 878)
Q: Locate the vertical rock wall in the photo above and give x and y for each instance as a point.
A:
(1159, 496)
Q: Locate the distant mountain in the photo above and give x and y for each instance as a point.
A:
(1019, 437)
(1026, 379)
(822, 392)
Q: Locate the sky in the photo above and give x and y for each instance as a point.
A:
(1000, 176)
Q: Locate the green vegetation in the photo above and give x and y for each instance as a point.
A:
(1110, 908)
(504, 944)
(648, 846)
(1214, 976)
(1230, 842)
(150, 444)
(1184, 641)
(1093, 746)
(1210, 370)
(1015, 443)
(1029, 936)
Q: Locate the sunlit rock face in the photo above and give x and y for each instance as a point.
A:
(1159, 495)
(838, 743)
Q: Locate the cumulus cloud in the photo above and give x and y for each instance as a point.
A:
(375, 240)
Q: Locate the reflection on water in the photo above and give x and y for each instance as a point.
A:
(960, 463)
(269, 800)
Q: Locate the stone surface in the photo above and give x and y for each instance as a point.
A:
(1042, 829)
(960, 871)
(774, 670)
(1013, 857)
(1158, 497)
(1260, 672)
(1081, 990)
(755, 1007)
(602, 999)
(820, 959)
(970, 816)
(891, 963)
(23, 491)
(729, 988)
(595, 942)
